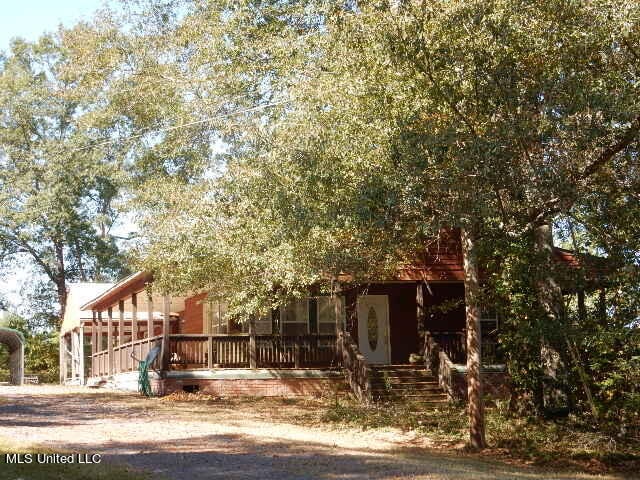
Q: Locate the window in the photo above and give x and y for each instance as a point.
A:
(315, 315)
(217, 321)
(327, 314)
(489, 323)
(215, 316)
(294, 318)
(264, 325)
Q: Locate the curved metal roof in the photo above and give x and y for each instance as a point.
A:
(11, 338)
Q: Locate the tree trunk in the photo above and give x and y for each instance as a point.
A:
(474, 380)
(550, 299)
(60, 280)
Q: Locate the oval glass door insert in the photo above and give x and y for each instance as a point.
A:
(372, 328)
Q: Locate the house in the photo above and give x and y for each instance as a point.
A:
(366, 334)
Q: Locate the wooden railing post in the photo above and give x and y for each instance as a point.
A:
(253, 359)
(210, 352)
(296, 352)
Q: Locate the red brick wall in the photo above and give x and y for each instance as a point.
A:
(191, 317)
(272, 387)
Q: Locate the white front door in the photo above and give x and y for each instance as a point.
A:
(373, 328)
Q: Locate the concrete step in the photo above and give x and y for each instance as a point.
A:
(398, 367)
(405, 381)
(402, 373)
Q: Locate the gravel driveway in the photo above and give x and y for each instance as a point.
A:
(227, 440)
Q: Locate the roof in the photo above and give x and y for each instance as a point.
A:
(77, 295)
(123, 290)
(133, 282)
(12, 338)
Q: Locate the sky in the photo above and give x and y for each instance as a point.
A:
(31, 18)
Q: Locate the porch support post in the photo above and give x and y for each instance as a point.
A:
(150, 328)
(253, 359)
(134, 316)
(110, 341)
(94, 334)
(99, 346)
(98, 316)
(74, 354)
(166, 325)
(81, 353)
(338, 317)
(61, 361)
(420, 313)
(94, 345)
(336, 308)
(122, 362)
(120, 322)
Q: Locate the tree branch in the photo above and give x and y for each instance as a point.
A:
(623, 142)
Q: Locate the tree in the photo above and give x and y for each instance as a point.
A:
(360, 130)
(55, 188)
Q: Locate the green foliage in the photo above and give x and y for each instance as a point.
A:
(40, 352)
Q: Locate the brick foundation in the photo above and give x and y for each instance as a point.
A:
(272, 387)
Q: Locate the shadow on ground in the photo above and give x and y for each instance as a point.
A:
(255, 453)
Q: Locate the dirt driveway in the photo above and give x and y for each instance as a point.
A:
(228, 439)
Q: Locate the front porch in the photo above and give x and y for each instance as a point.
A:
(352, 333)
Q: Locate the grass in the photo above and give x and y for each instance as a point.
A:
(570, 443)
(49, 471)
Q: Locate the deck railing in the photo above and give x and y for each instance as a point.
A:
(356, 368)
(122, 360)
(454, 344)
(438, 361)
(99, 364)
(203, 351)
(236, 351)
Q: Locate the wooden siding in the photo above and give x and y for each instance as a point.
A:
(191, 318)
